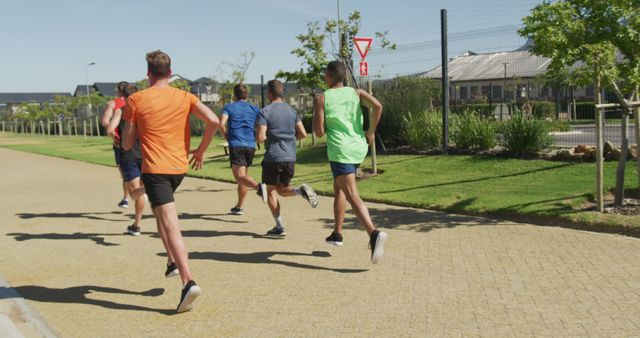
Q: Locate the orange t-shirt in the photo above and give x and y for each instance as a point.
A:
(161, 116)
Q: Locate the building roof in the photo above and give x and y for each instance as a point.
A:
(106, 88)
(81, 90)
(17, 98)
(477, 67)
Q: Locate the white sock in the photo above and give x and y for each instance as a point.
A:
(298, 191)
(279, 222)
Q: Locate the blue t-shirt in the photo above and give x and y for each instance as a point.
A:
(280, 120)
(241, 124)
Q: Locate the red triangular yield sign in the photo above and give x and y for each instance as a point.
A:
(363, 45)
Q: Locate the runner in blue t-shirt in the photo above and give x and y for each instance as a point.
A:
(237, 124)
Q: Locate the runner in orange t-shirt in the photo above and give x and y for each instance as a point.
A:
(160, 116)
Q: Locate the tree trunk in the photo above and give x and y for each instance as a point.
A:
(599, 148)
(622, 162)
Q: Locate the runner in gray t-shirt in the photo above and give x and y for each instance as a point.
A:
(280, 127)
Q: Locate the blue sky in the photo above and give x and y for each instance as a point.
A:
(46, 44)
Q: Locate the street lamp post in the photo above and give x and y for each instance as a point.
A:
(86, 81)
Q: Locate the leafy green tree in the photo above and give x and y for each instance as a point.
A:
(320, 41)
(591, 40)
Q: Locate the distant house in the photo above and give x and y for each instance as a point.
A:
(502, 75)
(9, 102)
(106, 89)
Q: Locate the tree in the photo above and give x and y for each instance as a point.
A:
(231, 73)
(591, 40)
(320, 41)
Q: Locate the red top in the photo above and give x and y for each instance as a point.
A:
(119, 103)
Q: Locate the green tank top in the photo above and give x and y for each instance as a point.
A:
(346, 142)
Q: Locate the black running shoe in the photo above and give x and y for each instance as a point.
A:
(262, 192)
(377, 245)
(133, 230)
(309, 194)
(172, 271)
(334, 239)
(276, 232)
(236, 211)
(124, 204)
(190, 292)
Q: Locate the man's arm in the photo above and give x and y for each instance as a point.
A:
(301, 133)
(128, 135)
(107, 114)
(372, 103)
(261, 134)
(202, 112)
(113, 124)
(223, 125)
(318, 115)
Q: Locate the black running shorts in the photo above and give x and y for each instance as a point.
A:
(278, 173)
(241, 156)
(160, 187)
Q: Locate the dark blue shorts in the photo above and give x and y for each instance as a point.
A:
(130, 169)
(339, 169)
(117, 152)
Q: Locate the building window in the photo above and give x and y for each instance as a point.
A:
(590, 91)
(544, 92)
(497, 92)
(475, 92)
(464, 93)
(486, 91)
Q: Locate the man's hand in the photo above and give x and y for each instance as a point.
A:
(197, 159)
(371, 137)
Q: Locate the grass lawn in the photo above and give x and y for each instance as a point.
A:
(530, 190)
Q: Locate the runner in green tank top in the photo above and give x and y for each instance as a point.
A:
(338, 114)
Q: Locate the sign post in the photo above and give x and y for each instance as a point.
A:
(363, 45)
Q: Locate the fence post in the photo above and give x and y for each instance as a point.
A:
(445, 81)
(84, 128)
(98, 126)
(599, 148)
(374, 155)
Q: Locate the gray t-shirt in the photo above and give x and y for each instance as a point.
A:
(280, 120)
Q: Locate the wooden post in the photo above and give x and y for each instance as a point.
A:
(98, 126)
(75, 126)
(84, 128)
(599, 149)
(636, 116)
(374, 155)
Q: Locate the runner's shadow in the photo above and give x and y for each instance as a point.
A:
(79, 295)
(87, 215)
(215, 233)
(94, 237)
(200, 189)
(266, 258)
(208, 217)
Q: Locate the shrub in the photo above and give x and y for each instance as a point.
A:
(544, 109)
(482, 109)
(472, 131)
(525, 136)
(399, 96)
(422, 130)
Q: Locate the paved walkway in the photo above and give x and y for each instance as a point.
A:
(444, 275)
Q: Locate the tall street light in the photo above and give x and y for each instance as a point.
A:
(86, 81)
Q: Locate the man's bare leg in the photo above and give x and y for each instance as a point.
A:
(347, 184)
(167, 219)
(274, 206)
(163, 237)
(134, 187)
(339, 208)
